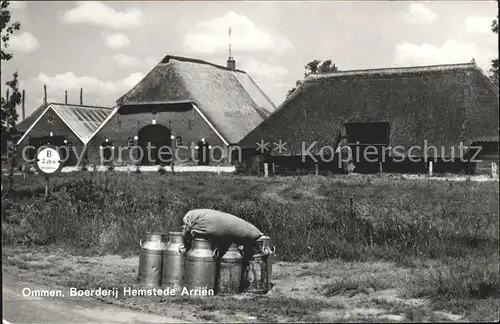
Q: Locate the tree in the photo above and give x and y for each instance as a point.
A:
(9, 114)
(315, 67)
(494, 63)
(8, 104)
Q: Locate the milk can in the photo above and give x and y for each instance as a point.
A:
(256, 278)
(173, 262)
(200, 265)
(270, 259)
(151, 259)
(231, 271)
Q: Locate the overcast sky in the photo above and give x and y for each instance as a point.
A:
(107, 47)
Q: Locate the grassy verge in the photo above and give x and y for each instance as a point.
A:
(446, 231)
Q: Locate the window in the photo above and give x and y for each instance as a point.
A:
(130, 142)
(178, 141)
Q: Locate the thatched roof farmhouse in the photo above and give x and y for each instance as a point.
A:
(191, 101)
(443, 105)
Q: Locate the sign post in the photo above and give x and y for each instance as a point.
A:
(48, 163)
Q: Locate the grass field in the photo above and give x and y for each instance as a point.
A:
(446, 232)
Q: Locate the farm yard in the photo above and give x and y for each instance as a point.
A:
(349, 248)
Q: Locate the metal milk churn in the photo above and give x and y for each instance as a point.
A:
(231, 271)
(256, 278)
(272, 251)
(151, 259)
(173, 262)
(200, 265)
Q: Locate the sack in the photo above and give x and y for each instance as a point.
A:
(217, 224)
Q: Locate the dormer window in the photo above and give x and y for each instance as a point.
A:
(178, 141)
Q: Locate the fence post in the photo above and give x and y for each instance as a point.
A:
(218, 168)
(380, 167)
(430, 169)
(316, 171)
(494, 173)
(273, 168)
(266, 171)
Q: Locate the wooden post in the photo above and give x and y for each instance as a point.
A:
(266, 171)
(45, 94)
(316, 170)
(380, 167)
(22, 106)
(46, 186)
(66, 97)
(81, 96)
(494, 173)
(430, 169)
(273, 168)
(218, 169)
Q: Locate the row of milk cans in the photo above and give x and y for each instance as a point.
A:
(165, 261)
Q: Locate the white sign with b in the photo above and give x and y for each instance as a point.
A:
(49, 160)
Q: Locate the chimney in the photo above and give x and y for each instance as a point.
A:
(231, 63)
(45, 94)
(81, 96)
(22, 107)
(66, 96)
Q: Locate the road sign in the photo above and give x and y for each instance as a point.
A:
(48, 161)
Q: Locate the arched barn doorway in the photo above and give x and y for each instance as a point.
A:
(156, 136)
(203, 153)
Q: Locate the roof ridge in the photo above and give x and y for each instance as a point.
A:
(167, 58)
(393, 70)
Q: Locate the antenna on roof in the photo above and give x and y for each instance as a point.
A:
(229, 42)
(231, 63)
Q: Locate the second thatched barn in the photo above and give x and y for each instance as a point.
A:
(193, 109)
(418, 114)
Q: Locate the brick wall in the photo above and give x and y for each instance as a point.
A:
(181, 120)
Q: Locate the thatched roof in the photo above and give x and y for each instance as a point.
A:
(230, 100)
(83, 121)
(443, 104)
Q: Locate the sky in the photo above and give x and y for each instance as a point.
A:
(107, 47)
